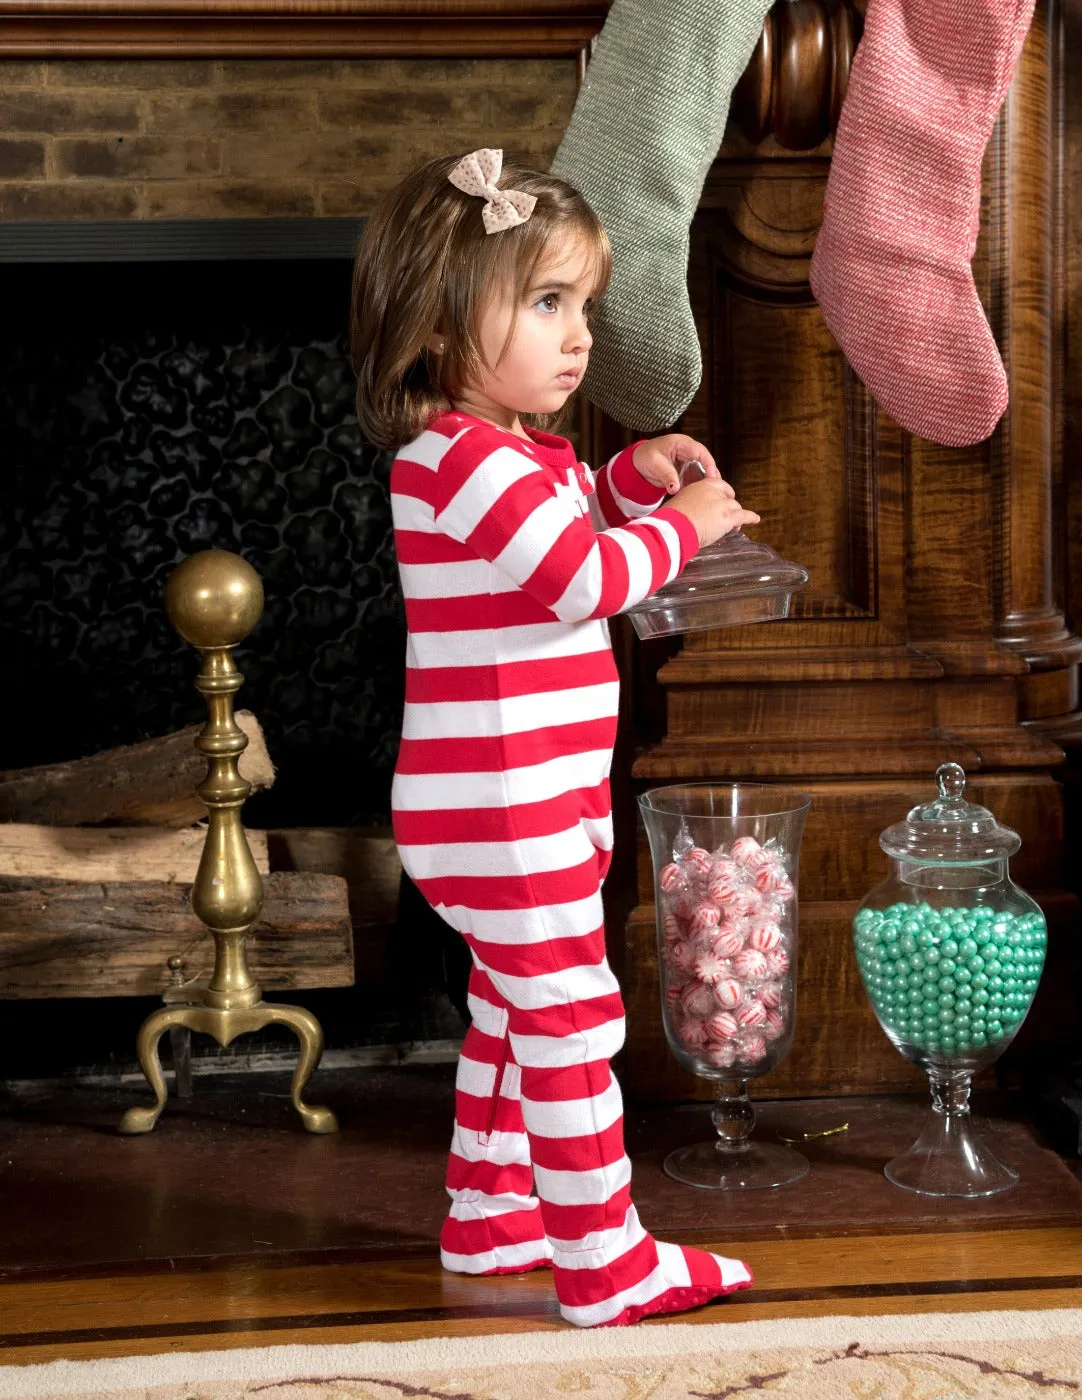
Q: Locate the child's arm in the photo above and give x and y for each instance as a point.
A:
(621, 493)
(500, 503)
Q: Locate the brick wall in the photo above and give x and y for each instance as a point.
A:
(162, 139)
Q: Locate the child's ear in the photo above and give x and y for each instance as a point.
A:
(435, 343)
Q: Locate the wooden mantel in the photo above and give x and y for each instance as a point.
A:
(937, 623)
(297, 28)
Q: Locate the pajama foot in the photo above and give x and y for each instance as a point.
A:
(475, 1270)
(681, 1279)
(496, 1261)
(499, 1245)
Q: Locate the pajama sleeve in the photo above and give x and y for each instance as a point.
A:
(502, 504)
(621, 494)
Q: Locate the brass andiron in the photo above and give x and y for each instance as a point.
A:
(214, 599)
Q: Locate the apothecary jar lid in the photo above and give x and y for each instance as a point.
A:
(950, 830)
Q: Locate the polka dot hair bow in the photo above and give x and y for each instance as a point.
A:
(477, 174)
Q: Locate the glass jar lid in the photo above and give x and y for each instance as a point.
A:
(950, 830)
(731, 582)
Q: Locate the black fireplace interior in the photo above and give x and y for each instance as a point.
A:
(164, 391)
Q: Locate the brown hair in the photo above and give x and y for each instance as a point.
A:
(425, 262)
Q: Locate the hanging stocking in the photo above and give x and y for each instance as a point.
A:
(891, 269)
(647, 124)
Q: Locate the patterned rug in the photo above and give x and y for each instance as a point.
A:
(945, 1356)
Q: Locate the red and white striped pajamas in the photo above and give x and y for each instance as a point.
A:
(511, 559)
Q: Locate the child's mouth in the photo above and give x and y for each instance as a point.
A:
(569, 378)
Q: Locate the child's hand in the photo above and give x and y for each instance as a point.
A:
(659, 460)
(712, 509)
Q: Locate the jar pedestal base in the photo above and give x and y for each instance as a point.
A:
(950, 1159)
(750, 1167)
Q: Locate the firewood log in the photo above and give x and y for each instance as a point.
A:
(149, 783)
(109, 853)
(115, 939)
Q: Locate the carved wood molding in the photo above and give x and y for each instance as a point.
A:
(1024, 153)
(297, 28)
(793, 88)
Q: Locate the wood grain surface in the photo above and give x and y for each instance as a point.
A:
(110, 853)
(150, 783)
(297, 29)
(116, 939)
(401, 1300)
(933, 627)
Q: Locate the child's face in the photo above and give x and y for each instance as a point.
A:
(545, 359)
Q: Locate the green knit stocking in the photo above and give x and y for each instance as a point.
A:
(645, 129)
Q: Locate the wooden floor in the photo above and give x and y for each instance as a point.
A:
(229, 1227)
(196, 1310)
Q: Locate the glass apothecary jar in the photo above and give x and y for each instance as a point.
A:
(726, 859)
(950, 951)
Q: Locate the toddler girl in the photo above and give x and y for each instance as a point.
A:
(471, 303)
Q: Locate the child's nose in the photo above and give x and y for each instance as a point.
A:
(580, 338)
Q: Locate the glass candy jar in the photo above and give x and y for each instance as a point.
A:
(725, 859)
(950, 951)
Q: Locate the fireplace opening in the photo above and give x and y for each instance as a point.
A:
(171, 388)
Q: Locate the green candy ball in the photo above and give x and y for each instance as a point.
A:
(951, 981)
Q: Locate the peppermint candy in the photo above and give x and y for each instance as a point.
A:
(725, 882)
(746, 900)
(752, 1049)
(698, 999)
(709, 968)
(743, 848)
(721, 1056)
(777, 961)
(752, 965)
(683, 902)
(764, 934)
(760, 859)
(670, 877)
(674, 999)
(751, 1014)
(727, 943)
(774, 1025)
(772, 994)
(705, 916)
(670, 926)
(692, 1034)
(769, 879)
(681, 955)
(721, 1026)
(700, 862)
(728, 992)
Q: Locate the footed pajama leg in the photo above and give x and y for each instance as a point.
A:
(494, 1226)
(565, 1022)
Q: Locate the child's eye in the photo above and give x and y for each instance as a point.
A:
(549, 302)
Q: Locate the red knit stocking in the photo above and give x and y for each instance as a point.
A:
(891, 270)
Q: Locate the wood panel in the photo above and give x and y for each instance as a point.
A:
(930, 629)
(297, 28)
(1067, 352)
